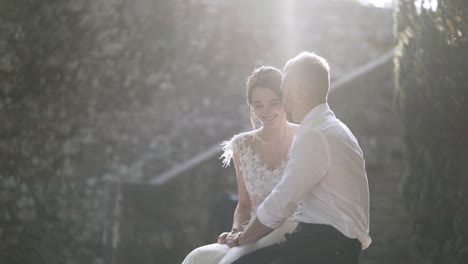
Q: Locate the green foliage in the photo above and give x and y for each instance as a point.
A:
(431, 63)
(33, 128)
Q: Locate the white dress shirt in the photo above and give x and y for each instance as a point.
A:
(325, 180)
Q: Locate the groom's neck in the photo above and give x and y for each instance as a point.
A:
(308, 107)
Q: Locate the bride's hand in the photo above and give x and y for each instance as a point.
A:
(222, 237)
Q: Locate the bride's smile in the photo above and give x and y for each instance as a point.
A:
(267, 107)
(269, 119)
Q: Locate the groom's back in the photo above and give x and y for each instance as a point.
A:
(341, 199)
(347, 161)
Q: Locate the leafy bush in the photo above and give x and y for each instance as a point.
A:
(432, 80)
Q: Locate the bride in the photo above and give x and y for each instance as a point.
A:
(260, 157)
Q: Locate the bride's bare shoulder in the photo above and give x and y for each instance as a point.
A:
(248, 136)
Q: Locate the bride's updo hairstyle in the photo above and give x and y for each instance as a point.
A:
(265, 77)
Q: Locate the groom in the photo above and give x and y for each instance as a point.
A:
(324, 184)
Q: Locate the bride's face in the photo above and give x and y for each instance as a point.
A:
(267, 107)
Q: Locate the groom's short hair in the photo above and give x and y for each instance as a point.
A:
(312, 70)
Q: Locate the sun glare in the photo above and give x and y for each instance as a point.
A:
(378, 3)
(426, 4)
(289, 16)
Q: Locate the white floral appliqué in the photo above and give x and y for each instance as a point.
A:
(259, 178)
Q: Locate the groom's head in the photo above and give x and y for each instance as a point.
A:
(306, 81)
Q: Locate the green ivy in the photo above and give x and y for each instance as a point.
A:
(432, 80)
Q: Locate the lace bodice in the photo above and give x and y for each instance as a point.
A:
(259, 178)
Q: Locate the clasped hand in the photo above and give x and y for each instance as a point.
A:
(228, 238)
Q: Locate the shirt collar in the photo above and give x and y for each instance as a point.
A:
(316, 112)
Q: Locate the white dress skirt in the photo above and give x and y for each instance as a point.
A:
(223, 254)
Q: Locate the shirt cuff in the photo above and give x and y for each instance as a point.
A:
(266, 219)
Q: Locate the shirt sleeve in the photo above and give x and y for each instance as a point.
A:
(307, 166)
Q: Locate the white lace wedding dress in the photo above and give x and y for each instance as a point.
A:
(259, 180)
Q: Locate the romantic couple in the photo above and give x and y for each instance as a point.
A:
(303, 190)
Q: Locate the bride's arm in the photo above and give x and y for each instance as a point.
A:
(244, 204)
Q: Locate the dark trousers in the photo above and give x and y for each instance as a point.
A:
(309, 243)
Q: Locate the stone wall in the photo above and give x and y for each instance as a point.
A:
(161, 224)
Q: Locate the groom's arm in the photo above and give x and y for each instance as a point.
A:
(253, 232)
(307, 166)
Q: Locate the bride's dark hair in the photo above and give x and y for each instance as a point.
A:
(266, 77)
